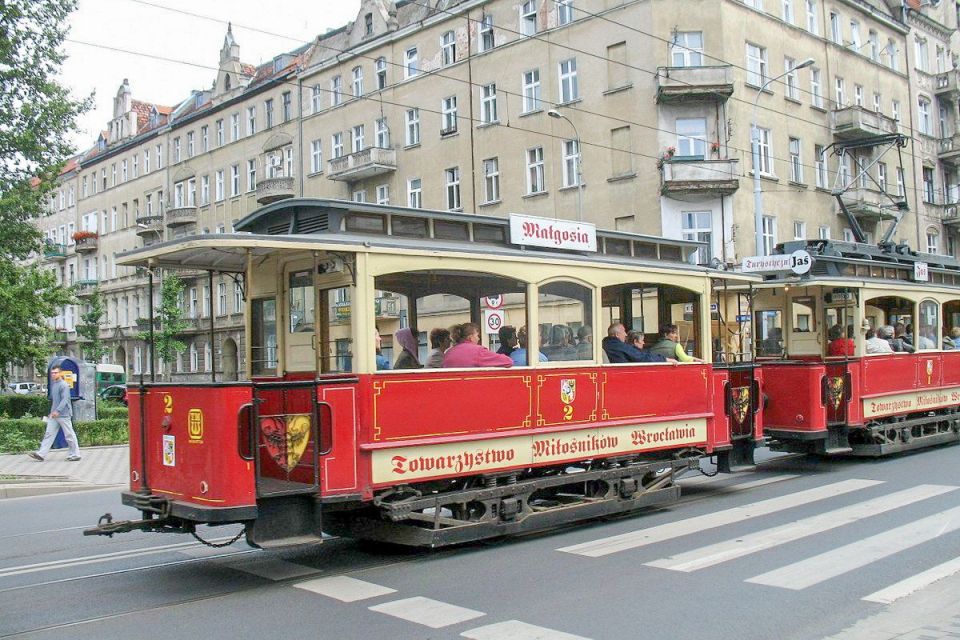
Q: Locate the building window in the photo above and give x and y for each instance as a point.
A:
(528, 18)
(448, 115)
(453, 188)
(882, 176)
(793, 90)
(569, 87)
(531, 90)
(316, 157)
(820, 165)
(564, 12)
(410, 63)
(874, 40)
(570, 152)
(691, 137)
(836, 32)
(315, 98)
(413, 127)
(218, 187)
(194, 357)
(235, 180)
(787, 11)
(234, 127)
(357, 82)
(697, 226)
(336, 145)
(858, 95)
(928, 187)
(799, 230)
(191, 199)
(855, 42)
(923, 116)
(756, 65)
(285, 106)
(357, 138)
(900, 187)
(816, 93)
(488, 103)
(841, 92)
(823, 233)
(895, 110)
(237, 298)
(336, 91)
(251, 175)
(766, 161)
(448, 48)
(491, 180)
(205, 138)
(876, 102)
(769, 234)
(891, 51)
(923, 54)
(933, 242)
(268, 112)
(204, 190)
(381, 68)
(796, 167)
(360, 195)
(414, 193)
(383, 194)
(383, 133)
(486, 33)
(176, 155)
(367, 25)
(251, 120)
(535, 171)
(686, 50)
(222, 299)
(812, 17)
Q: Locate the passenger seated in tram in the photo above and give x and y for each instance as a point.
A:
(772, 345)
(585, 343)
(408, 358)
(468, 352)
(899, 335)
(508, 339)
(618, 350)
(947, 341)
(898, 345)
(954, 337)
(382, 362)
(876, 341)
(840, 346)
(668, 345)
(439, 343)
(519, 355)
(561, 345)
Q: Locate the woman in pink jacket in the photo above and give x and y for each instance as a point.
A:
(467, 352)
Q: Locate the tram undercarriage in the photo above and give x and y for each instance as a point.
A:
(877, 438)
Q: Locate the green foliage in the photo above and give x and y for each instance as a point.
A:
(37, 113)
(111, 411)
(166, 337)
(89, 328)
(19, 406)
(18, 436)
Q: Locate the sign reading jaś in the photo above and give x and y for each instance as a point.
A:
(799, 262)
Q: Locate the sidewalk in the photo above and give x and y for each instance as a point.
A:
(100, 467)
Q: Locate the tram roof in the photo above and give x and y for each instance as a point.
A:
(312, 223)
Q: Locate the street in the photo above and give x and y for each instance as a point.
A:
(800, 548)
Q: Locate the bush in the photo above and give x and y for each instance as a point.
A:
(111, 410)
(18, 436)
(19, 406)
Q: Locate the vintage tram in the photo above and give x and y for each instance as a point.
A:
(319, 439)
(829, 388)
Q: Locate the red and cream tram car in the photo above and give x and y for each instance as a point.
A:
(319, 439)
(832, 385)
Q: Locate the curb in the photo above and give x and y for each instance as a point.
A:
(25, 489)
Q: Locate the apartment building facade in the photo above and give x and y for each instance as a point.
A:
(631, 114)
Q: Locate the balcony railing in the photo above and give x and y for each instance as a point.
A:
(85, 287)
(694, 84)
(59, 337)
(948, 149)
(150, 226)
(951, 215)
(273, 189)
(870, 204)
(858, 122)
(179, 216)
(946, 83)
(685, 179)
(372, 161)
(87, 245)
(54, 252)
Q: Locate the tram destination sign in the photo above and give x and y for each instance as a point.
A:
(555, 234)
(798, 262)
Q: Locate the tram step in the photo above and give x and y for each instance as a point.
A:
(833, 451)
(285, 521)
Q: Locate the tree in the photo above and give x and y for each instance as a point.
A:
(89, 328)
(36, 116)
(168, 324)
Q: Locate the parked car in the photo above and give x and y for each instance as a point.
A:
(23, 388)
(114, 393)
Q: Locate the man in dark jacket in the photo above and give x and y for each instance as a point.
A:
(617, 349)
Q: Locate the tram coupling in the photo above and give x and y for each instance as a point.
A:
(149, 505)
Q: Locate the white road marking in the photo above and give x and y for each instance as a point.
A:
(344, 588)
(713, 554)
(516, 630)
(272, 568)
(914, 583)
(643, 537)
(825, 566)
(430, 613)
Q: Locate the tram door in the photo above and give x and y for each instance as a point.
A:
(835, 389)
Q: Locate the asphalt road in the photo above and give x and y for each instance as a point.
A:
(788, 551)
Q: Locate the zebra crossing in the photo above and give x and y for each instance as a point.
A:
(811, 571)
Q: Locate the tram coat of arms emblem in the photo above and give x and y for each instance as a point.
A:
(740, 404)
(285, 438)
(929, 370)
(568, 391)
(835, 387)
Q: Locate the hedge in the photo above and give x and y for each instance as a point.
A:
(21, 435)
(111, 411)
(18, 406)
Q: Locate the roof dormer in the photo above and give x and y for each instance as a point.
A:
(375, 18)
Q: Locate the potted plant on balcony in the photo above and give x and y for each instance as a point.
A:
(83, 235)
(715, 149)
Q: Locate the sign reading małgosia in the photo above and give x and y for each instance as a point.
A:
(556, 234)
(798, 262)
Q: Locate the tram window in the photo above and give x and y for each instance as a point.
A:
(564, 307)
(409, 227)
(336, 328)
(929, 336)
(264, 338)
(893, 311)
(617, 247)
(488, 233)
(446, 230)
(366, 223)
(646, 308)
(769, 328)
(804, 312)
(301, 301)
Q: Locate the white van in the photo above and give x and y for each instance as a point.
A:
(23, 388)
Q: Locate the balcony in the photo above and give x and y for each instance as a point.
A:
(690, 180)
(54, 252)
(948, 149)
(869, 205)
(372, 161)
(387, 307)
(59, 338)
(273, 189)
(676, 85)
(150, 225)
(85, 288)
(951, 216)
(179, 216)
(858, 122)
(87, 244)
(945, 84)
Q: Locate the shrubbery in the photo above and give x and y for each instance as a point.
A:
(24, 434)
(18, 406)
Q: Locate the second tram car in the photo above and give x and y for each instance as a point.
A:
(321, 438)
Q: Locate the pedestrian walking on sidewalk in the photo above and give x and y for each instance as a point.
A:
(61, 417)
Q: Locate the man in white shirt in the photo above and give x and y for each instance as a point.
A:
(876, 343)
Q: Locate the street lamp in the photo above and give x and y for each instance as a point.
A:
(553, 113)
(755, 147)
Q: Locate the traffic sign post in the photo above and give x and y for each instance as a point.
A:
(493, 319)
